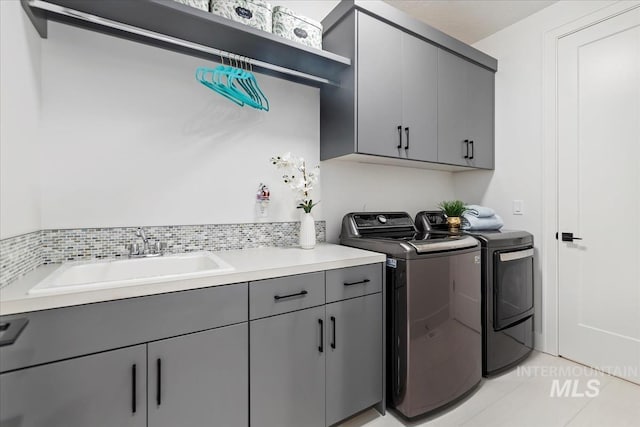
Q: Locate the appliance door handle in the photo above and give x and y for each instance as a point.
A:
(299, 294)
(333, 327)
(473, 150)
(133, 389)
(357, 283)
(321, 346)
(466, 141)
(406, 131)
(512, 256)
(11, 330)
(399, 137)
(159, 383)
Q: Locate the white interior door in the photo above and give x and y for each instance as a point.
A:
(599, 195)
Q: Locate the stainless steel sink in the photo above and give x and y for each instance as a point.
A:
(89, 275)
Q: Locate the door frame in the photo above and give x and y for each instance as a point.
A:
(549, 244)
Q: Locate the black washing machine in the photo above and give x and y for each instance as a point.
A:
(507, 292)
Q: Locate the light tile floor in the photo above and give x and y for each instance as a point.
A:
(522, 398)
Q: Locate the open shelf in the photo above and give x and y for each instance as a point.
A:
(177, 27)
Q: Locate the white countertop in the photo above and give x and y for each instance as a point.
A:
(249, 264)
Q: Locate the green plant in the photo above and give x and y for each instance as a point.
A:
(452, 208)
(307, 205)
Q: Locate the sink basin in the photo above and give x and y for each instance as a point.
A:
(89, 275)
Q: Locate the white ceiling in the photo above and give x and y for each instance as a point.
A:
(470, 20)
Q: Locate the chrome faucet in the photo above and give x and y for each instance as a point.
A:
(140, 233)
(146, 251)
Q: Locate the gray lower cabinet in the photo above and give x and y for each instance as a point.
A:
(316, 366)
(102, 390)
(200, 379)
(287, 369)
(354, 358)
(465, 112)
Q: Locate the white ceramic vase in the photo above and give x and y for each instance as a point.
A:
(307, 231)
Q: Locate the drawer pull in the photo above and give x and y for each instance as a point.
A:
(299, 294)
(361, 282)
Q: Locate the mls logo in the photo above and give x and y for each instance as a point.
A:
(571, 388)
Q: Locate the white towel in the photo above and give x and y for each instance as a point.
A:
(471, 222)
(480, 211)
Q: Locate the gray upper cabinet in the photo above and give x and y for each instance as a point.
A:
(201, 378)
(419, 99)
(379, 94)
(465, 112)
(103, 390)
(395, 93)
(287, 370)
(354, 359)
(406, 100)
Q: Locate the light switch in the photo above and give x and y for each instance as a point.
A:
(518, 207)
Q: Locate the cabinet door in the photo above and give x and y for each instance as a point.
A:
(287, 370)
(379, 90)
(419, 99)
(354, 356)
(103, 390)
(452, 109)
(200, 379)
(480, 115)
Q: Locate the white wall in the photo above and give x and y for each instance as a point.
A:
(19, 122)
(356, 187)
(130, 137)
(519, 126)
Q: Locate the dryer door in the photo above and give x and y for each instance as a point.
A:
(512, 286)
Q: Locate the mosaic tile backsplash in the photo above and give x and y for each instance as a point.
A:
(22, 254)
(19, 255)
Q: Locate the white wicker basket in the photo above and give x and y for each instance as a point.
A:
(198, 4)
(254, 13)
(287, 24)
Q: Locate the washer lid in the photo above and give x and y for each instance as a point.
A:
(442, 243)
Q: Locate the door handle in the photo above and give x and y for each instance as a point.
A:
(133, 389)
(333, 327)
(568, 237)
(406, 131)
(159, 384)
(466, 141)
(399, 137)
(473, 150)
(321, 346)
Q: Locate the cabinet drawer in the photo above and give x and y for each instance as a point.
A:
(353, 282)
(67, 332)
(284, 294)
